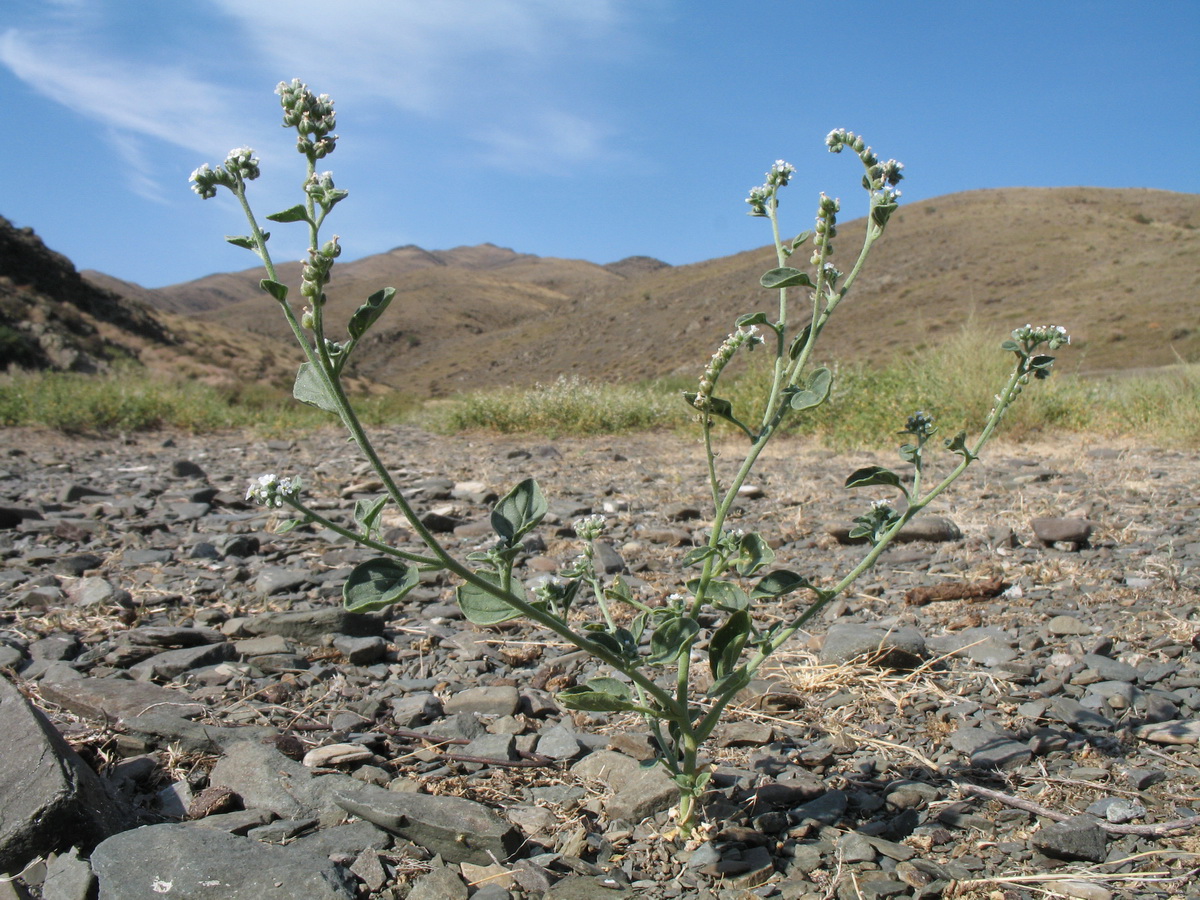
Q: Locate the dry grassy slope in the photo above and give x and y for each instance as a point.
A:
(1117, 267)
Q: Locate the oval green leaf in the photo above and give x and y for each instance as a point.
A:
(481, 607)
(519, 511)
(671, 638)
(868, 476)
(725, 647)
(778, 583)
(785, 277)
(377, 584)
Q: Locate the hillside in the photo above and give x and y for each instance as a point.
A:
(51, 317)
(1117, 267)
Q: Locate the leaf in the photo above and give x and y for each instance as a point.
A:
(619, 590)
(1013, 346)
(519, 511)
(378, 583)
(598, 695)
(798, 343)
(244, 240)
(310, 388)
(727, 596)
(291, 525)
(785, 277)
(755, 553)
(873, 475)
(481, 607)
(910, 453)
(295, 213)
(800, 239)
(367, 314)
(778, 583)
(275, 289)
(671, 638)
(758, 318)
(725, 646)
(816, 390)
(698, 555)
(367, 512)
(718, 407)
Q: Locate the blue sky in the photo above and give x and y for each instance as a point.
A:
(592, 129)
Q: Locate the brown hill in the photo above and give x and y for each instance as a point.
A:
(1118, 267)
(52, 317)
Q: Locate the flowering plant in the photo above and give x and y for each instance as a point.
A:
(652, 654)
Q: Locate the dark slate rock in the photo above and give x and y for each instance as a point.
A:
(184, 468)
(116, 698)
(1110, 669)
(278, 580)
(901, 648)
(310, 626)
(12, 516)
(1078, 838)
(51, 799)
(68, 877)
(989, 749)
(172, 663)
(458, 829)
(265, 778)
(199, 863)
(607, 559)
(1073, 713)
(1053, 530)
(825, 810)
(76, 564)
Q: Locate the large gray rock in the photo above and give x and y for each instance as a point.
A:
(116, 698)
(901, 648)
(266, 779)
(460, 830)
(310, 626)
(49, 798)
(189, 863)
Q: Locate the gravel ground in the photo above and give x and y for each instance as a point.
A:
(1007, 707)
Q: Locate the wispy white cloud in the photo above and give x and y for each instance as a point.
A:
(495, 66)
(158, 102)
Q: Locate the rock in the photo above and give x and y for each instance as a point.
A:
(109, 698)
(68, 877)
(194, 863)
(336, 755)
(578, 887)
(265, 778)
(310, 626)
(441, 884)
(173, 663)
(1066, 530)
(901, 648)
(1177, 731)
(51, 799)
(459, 830)
(989, 749)
(498, 700)
(1078, 838)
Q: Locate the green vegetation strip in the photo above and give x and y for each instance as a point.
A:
(1162, 406)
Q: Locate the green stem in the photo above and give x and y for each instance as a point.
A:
(358, 538)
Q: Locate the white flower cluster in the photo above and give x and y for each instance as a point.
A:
(589, 527)
(760, 195)
(240, 165)
(271, 490)
(748, 335)
(1053, 336)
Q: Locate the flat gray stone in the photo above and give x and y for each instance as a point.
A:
(51, 799)
(310, 626)
(1053, 530)
(117, 698)
(990, 749)
(460, 830)
(497, 700)
(190, 863)
(172, 663)
(901, 648)
(440, 884)
(265, 778)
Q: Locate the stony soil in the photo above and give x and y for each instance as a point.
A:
(197, 661)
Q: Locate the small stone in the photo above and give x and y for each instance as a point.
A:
(1078, 838)
(1177, 731)
(1063, 530)
(492, 700)
(336, 755)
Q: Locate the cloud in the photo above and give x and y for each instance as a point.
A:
(548, 141)
(159, 102)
